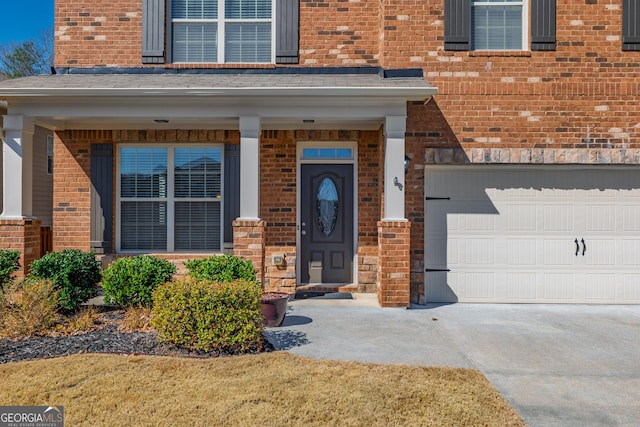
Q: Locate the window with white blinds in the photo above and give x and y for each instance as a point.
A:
(170, 198)
(217, 31)
(497, 25)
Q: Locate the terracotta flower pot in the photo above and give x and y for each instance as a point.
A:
(274, 308)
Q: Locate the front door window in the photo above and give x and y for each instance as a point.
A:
(327, 204)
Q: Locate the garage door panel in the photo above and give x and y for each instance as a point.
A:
(474, 285)
(600, 218)
(630, 287)
(559, 252)
(558, 287)
(522, 286)
(599, 252)
(509, 234)
(631, 218)
(521, 252)
(522, 217)
(469, 251)
(558, 217)
(630, 252)
(600, 288)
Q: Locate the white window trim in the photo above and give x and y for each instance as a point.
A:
(170, 199)
(221, 22)
(353, 145)
(525, 22)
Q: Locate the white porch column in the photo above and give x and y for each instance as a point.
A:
(249, 168)
(394, 129)
(17, 167)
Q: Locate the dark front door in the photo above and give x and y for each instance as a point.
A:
(326, 224)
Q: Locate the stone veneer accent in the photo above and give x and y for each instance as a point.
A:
(22, 235)
(589, 156)
(248, 243)
(394, 263)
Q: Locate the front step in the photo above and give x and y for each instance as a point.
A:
(328, 288)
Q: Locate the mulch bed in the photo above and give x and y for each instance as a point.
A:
(108, 338)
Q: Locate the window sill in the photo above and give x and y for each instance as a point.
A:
(502, 53)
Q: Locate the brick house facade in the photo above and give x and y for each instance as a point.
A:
(559, 95)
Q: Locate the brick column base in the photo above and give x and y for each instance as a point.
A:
(22, 235)
(248, 243)
(394, 263)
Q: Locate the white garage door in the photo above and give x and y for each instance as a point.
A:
(532, 234)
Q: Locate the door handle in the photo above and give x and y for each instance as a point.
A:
(577, 247)
(584, 247)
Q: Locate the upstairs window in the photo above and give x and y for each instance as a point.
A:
(217, 31)
(499, 24)
(222, 31)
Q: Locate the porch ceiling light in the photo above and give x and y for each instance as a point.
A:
(308, 121)
(161, 121)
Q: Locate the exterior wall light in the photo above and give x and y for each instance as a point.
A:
(407, 160)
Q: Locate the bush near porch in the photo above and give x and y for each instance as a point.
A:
(201, 314)
(75, 274)
(221, 268)
(208, 316)
(130, 281)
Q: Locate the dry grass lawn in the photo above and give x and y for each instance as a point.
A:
(272, 389)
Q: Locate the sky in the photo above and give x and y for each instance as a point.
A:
(21, 20)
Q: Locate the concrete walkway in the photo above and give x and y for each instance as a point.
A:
(557, 365)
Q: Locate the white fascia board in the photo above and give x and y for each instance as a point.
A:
(408, 93)
(192, 107)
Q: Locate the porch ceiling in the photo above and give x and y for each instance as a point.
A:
(212, 101)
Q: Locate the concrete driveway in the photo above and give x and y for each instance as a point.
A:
(558, 365)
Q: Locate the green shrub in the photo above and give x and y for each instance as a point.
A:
(205, 316)
(130, 281)
(9, 264)
(28, 308)
(74, 273)
(221, 269)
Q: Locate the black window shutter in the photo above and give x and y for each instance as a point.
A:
(287, 31)
(231, 189)
(543, 24)
(630, 25)
(153, 29)
(456, 24)
(101, 197)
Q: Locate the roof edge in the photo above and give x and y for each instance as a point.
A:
(384, 73)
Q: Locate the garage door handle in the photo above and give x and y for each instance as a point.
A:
(584, 247)
(577, 247)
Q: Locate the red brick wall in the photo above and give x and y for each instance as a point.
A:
(72, 188)
(22, 235)
(248, 237)
(98, 33)
(393, 264)
(339, 33)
